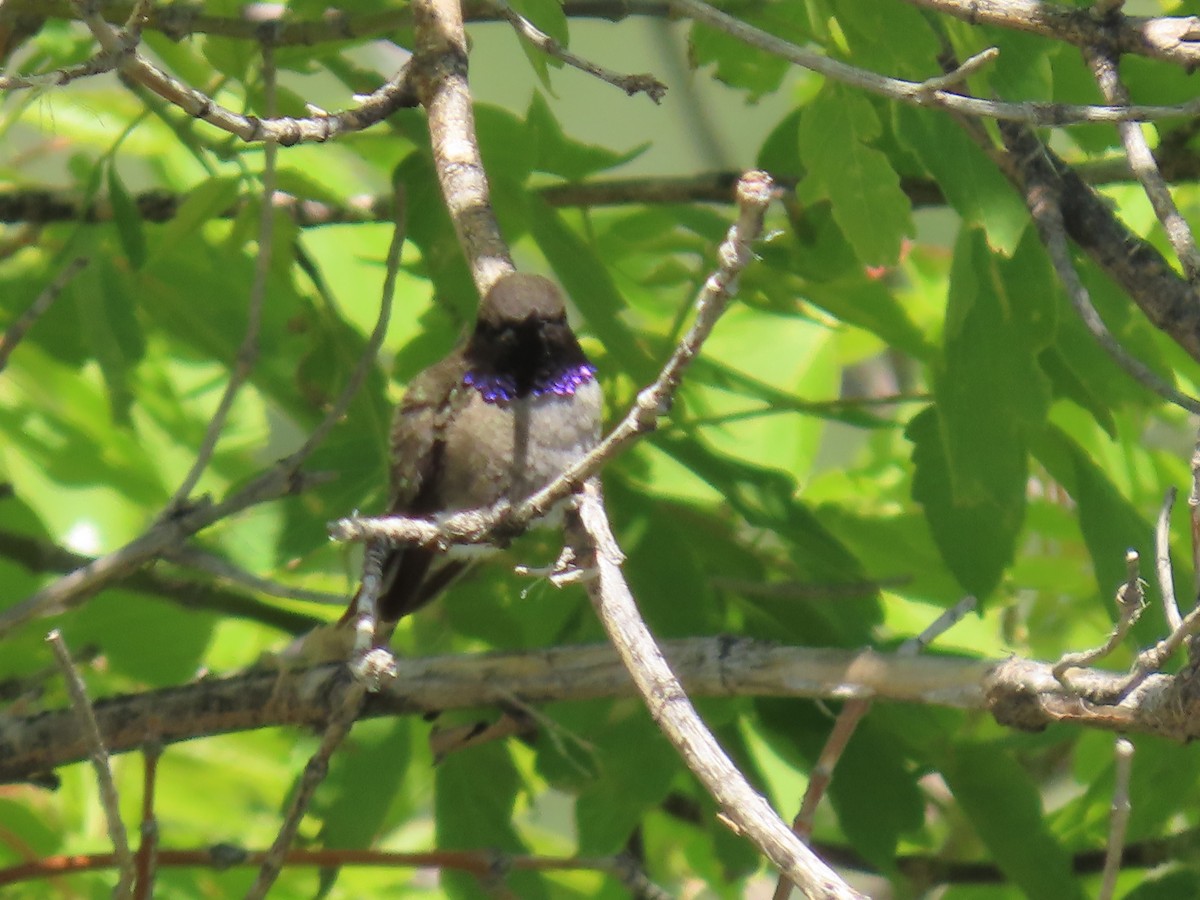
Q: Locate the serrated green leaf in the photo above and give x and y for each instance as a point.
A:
(868, 204)
(894, 39)
(991, 392)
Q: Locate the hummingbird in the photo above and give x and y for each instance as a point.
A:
(500, 417)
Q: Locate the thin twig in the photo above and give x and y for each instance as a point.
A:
(1154, 658)
(42, 556)
(247, 354)
(1130, 600)
(109, 800)
(97, 65)
(1042, 194)
(744, 810)
(1162, 561)
(147, 854)
(1141, 161)
(852, 713)
(924, 93)
(653, 402)
(346, 709)
(139, 14)
(1119, 821)
(225, 571)
(1194, 516)
(21, 325)
(284, 130)
(225, 856)
(630, 84)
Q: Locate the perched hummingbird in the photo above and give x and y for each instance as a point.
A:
(500, 417)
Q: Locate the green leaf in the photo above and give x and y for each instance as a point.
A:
(991, 392)
(127, 218)
(975, 534)
(766, 499)
(153, 641)
(891, 39)
(1003, 805)
(433, 232)
(476, 793)
(589, 283)
(876, 795)
(868, 204)
(636, 767)
(557, 154)
(1111, 525)
(203, 203)
(872, 306)
(104, 299)
(972, 455)
(970, 181)
(364, 776)
(1181, 884)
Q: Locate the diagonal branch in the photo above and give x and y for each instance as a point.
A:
(1143, 164)
(1047, 194)
(109, 801)
(21, 325)
(742, 808)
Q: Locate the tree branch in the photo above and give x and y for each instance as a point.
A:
(1019, 693)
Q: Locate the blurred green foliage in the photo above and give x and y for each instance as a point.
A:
(1013, 459)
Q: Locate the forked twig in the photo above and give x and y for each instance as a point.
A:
(1130, 600)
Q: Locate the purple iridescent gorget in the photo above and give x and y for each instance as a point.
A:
(496, 388)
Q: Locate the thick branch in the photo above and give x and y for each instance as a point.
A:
(1170, 39)
(1019, 693)
(440, 72)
